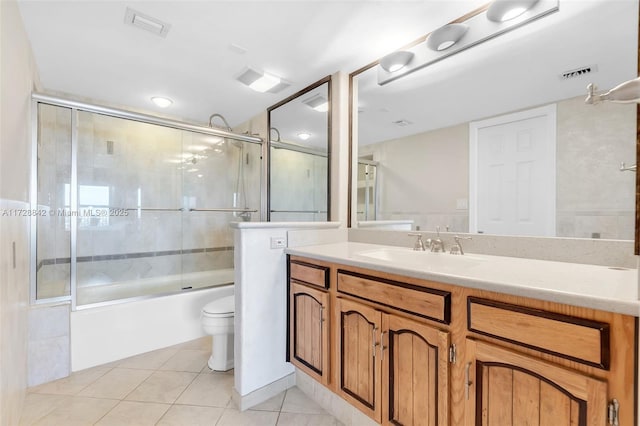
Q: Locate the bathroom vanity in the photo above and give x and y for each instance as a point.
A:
(419, 338)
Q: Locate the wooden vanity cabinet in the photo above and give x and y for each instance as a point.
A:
(309, 319)
(504, 387)
(394, 369)
(411, 352)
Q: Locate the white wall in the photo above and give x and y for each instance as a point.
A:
(261, 300)
(18, 75)
(339, 147)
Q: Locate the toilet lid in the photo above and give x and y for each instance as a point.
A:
(225, 305)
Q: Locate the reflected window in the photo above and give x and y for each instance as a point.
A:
(93, 206)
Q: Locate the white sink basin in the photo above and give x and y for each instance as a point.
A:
(409, 257)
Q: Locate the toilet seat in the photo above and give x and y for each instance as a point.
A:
(224, 307)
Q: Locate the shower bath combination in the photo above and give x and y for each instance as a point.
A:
(175, 182)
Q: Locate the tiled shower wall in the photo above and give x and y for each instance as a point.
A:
(125, 167)
(298, 186)
(425, 177)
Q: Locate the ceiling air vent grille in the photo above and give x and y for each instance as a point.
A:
(579, 72)
(146, 22)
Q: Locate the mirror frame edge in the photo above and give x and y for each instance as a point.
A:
(636, 250)
(328, 79)
(636, 245)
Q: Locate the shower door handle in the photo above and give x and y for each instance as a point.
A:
(153, 209)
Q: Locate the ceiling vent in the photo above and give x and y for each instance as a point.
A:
(146, 22)
(402, 123)
(579, 72)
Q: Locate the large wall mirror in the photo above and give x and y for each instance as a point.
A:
(429, 148)
(299, 156)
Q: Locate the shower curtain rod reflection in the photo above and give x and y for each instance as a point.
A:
(144, 118)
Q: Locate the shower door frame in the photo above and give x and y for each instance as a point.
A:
(76, 107)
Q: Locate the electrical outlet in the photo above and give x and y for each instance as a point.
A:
(278, 242)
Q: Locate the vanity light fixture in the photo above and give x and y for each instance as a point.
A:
(318, 103)
(445, 37)
(261, 81)
(396, 61)
(505, 10)
(304, 135)
(161, 101)
(481, 25)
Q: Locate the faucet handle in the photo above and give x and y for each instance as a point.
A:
(419, 245)
(457, 249)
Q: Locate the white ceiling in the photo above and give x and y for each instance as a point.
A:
(513, 71)
(83, 48)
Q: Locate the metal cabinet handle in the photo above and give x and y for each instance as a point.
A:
(373, 339)
(321, 314)
(467, 380)
(382, 346)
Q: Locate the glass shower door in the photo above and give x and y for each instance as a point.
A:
(129, 196)
(53, 236)
(221, 185)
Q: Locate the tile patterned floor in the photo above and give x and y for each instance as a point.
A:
(171, 386)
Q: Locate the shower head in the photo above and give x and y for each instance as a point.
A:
(227, 127)
(273, 129)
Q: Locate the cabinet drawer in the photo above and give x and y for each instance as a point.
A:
(309, 273)
(574, 338)
(421, 301)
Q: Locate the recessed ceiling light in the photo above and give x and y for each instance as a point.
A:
(262, 81)
(265, 83)
(161, 101)
(304, 135)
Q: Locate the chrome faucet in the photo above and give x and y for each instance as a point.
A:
(437, 245)
(419, 245)
(457, 248)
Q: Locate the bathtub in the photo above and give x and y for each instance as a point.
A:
(109, 331)
(90, 295)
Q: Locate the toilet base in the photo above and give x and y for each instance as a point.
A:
(221, 358)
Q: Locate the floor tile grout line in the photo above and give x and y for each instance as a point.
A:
(185, 388)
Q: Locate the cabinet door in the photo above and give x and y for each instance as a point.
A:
(309, 331)
(416, 367)
(358, 356)
(507, 388)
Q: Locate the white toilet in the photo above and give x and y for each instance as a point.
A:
(217, 321)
